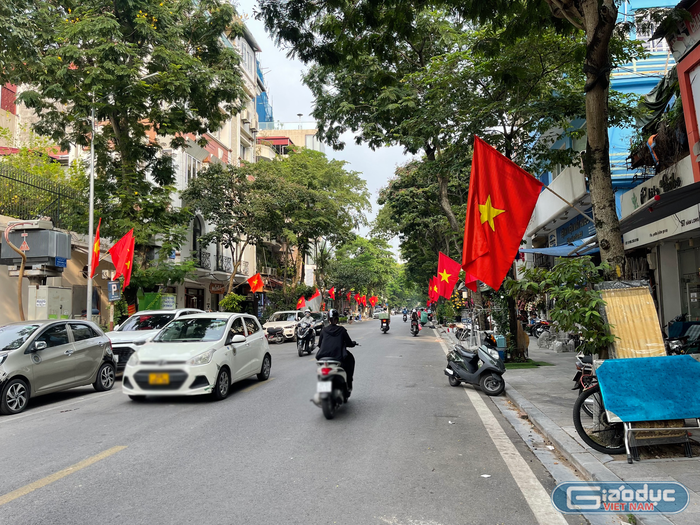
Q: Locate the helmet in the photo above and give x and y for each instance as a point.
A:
(307, 312)
(333, 314)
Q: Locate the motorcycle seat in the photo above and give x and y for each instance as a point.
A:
(586, 359)
(464, 352)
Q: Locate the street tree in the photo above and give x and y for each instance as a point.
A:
(364, 265)
(156, 72)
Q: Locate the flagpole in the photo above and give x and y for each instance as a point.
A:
(567, 202)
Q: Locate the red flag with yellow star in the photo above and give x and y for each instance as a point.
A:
(120, 251)
(96, 250)
(448, 275)
(433, 290)
(501, 199)
(331, 293)
(301, 303)
(256, 283)
(129, 263)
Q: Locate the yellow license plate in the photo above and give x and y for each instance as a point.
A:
(158, 379)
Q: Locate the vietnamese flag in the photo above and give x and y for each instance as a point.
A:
(129, 263)
(95, 261)
(433, 292)
(448, 275)
(501, 199)
(373, 300)
(331, 293)
(349, 295)
(364, 300)
(357, 298)
(256, 283)
(301, 303)
(119, 252)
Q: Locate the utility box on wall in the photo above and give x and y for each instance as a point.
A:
(49, 302)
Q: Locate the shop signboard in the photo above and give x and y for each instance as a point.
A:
(217, 288)
(677, 176)
(168, 301)
(576, 229)
(686, 220)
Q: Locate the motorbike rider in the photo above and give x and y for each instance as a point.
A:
(333, 343)
(310, 321)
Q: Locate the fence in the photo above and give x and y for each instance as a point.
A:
(27, 196)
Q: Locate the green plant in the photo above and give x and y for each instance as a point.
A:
(231, 302)
(570, 284)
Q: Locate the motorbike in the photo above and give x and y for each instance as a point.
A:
(384, 326)
(541, 326)
(306, 337)
(275, 335)
(405, 317)
(415, 328)
(331, 387)
(463, 367)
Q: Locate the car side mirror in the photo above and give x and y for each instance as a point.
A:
(39, 345)
(235, 339)
(116, 327)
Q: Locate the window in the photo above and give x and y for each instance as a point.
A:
(82, 332)
(56, 335)
(252, 325)
(196, 234)
(190, 330)
(645, 28)
(145, 322)
(192, 166)
(243, 153)
(237, 327)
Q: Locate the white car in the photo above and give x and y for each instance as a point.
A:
(198, 354)
(286, 320)
(138, 329)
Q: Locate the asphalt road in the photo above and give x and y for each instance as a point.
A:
(407, 449)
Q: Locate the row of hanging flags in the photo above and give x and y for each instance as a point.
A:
(502, 197)
(314, 302)
(122, 255)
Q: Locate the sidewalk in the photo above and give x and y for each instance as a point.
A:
(545, 395)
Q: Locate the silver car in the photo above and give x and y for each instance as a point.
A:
(45, 356)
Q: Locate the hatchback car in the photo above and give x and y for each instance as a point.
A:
(199, 354)
(139, 328)
(46, 356)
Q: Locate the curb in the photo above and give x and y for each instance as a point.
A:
(589, 466)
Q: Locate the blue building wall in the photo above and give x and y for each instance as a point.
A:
(262, 104)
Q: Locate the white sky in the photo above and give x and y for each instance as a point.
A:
(290, 97)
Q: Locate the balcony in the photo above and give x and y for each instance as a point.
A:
(202, 260)
(224, 264)
(243, 268)
(266, 270)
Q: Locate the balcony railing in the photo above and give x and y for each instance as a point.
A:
(224, 264)
(202, 260)
(243, 268)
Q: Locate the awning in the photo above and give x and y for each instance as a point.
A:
(668, 203)
(565, 250)
(276, 141)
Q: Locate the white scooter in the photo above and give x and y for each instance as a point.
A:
(331, 388)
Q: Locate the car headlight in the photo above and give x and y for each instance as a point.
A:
(202, 359)
(493, 353)
(133, 360)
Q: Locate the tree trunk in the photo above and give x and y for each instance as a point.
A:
(599, 20)
(445, 204)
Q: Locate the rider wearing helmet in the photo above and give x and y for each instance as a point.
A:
(333, 343)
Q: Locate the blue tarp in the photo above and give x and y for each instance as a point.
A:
(564, 250)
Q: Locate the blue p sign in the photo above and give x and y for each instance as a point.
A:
(114, 291)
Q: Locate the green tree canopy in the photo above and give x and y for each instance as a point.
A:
(364, 265)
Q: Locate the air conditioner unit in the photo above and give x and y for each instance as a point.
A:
(245, 117)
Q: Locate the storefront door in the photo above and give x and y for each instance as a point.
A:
(194, 298)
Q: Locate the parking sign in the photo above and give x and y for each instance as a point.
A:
(114, 291)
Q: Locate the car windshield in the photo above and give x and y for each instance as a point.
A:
(283, 316)
(146, 322)
(192, 330)
(317, 316)
(14, 336)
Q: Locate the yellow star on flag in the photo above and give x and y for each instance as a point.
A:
(445, 276)
(255, 281)
(435, 289)
(488, 213)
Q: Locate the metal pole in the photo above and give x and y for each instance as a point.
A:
(91, 213)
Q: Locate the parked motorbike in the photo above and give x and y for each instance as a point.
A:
(405, 317)
(384, 326)
(541, 326)
(463, 366)
(331, 387)
(306, 337)
(275, 335)
(415, 328)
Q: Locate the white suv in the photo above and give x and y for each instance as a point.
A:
(199, 354)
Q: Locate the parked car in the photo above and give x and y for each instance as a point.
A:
(376, 313)
(287, 320)
(46, 356)
(138, 329)
(199, 354)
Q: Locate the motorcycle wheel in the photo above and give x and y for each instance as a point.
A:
(300, 348)
(595, 429)
(328, 407)
(279, 339)
(492, 384)
(453, 381)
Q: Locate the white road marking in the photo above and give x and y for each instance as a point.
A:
(8, 419)
(535, 494)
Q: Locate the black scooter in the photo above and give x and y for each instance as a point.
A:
(384, 326)
(306, 338)
(414, 327)
(405, 317)
(463, 366)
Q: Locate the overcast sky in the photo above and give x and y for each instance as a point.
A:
(290, 97)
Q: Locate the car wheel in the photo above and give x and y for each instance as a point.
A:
(265, 369)
(15, 397)
(137, 398)
(105, 378)
(223, 384)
